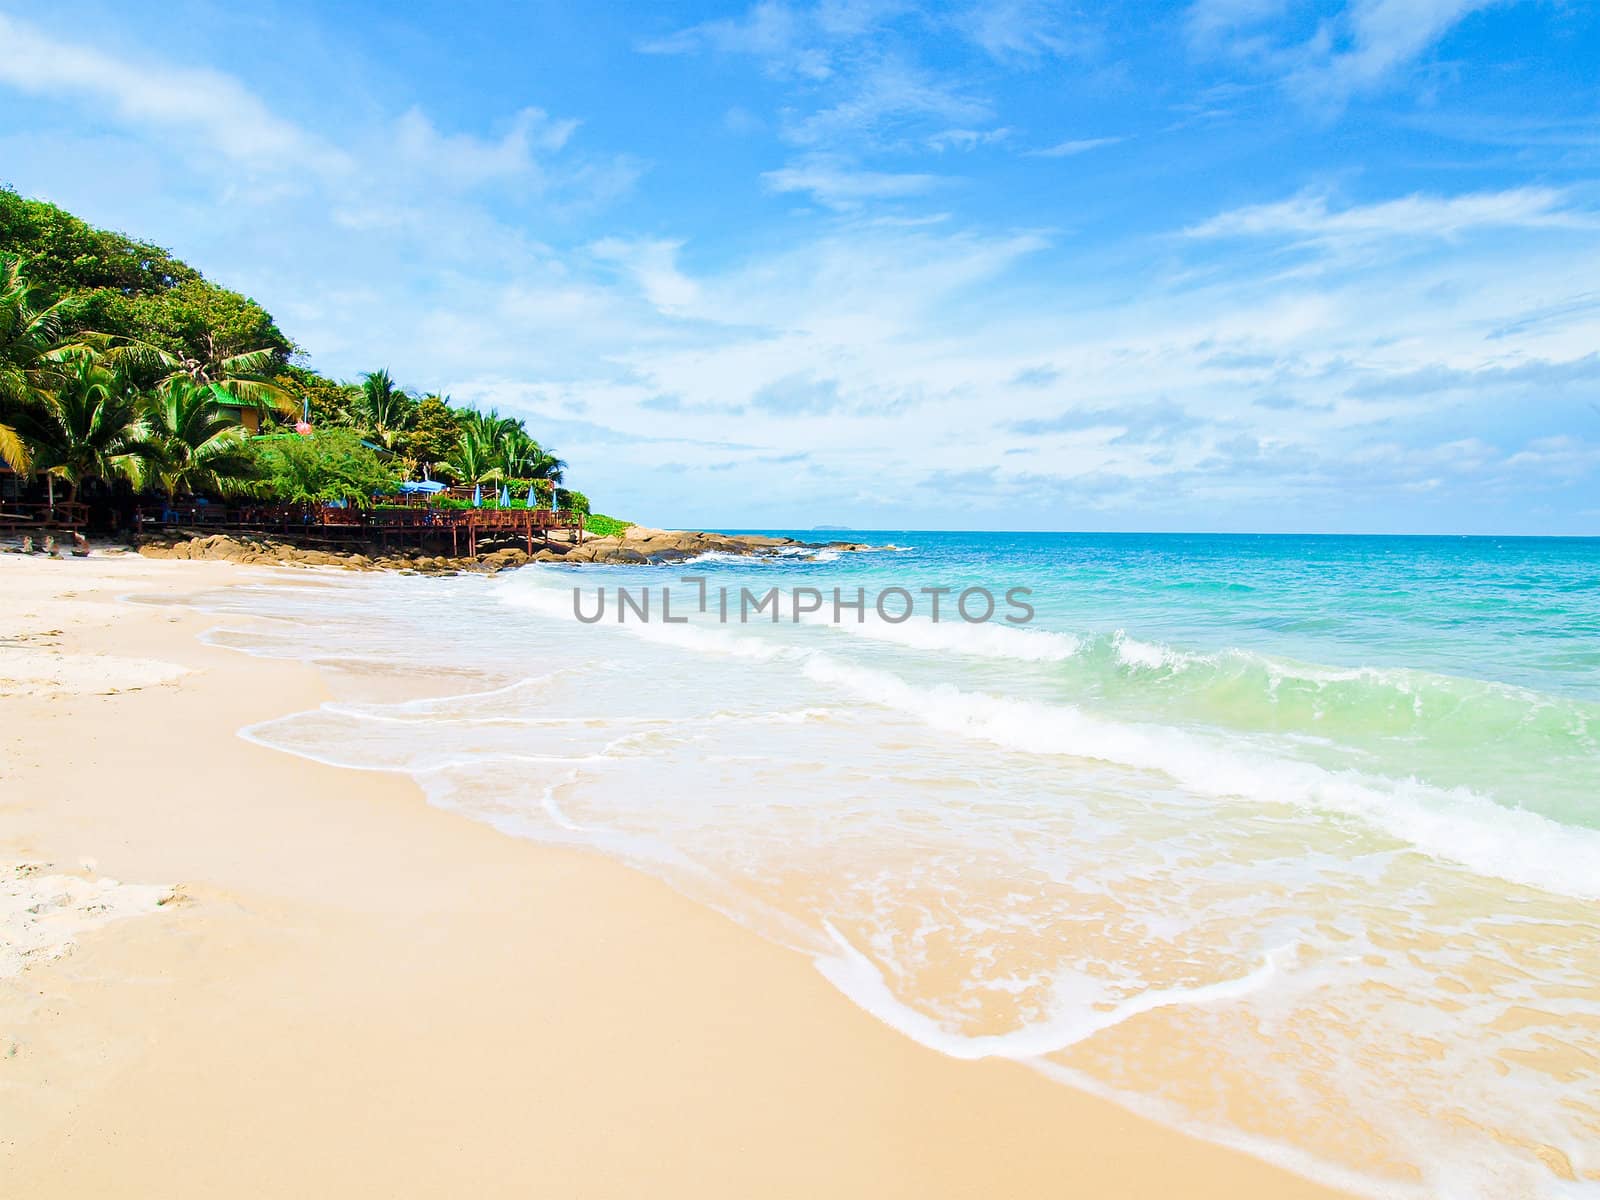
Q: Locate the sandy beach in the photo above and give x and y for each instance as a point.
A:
(307, 982)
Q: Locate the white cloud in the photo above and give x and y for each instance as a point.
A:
(770, 31)
(882, 101)
(1308, 219)
(216, 111)
(837, 185)
(653, 265)
(1024, 32)
(965, 139)
(1069, 149)
(1362, 47)
(1373, 39)
(462, 159)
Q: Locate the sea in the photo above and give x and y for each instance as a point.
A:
(1292, 843)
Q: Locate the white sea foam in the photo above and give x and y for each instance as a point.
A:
(1454, 824)
(854, 974)
(1148, 656)
(980, 640)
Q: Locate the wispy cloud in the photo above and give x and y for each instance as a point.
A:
(835, 184)
(1363, 46)
(770, 31)
(1373, 39)
(1026, 32)
(459, 158)
(653, 265)
(1309, 219)
(1068, 149)
(225, 118)
(965, 139)
(883, 101)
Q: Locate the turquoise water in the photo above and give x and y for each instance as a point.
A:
(1457, 660)
(1293, 843)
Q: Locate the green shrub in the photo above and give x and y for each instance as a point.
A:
(568, 501)
(603, 526)
(330, 464)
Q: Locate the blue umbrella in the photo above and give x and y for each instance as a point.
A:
(477, 496)
(533, 497)
(505, 495)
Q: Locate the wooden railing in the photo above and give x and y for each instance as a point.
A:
(385, 520)
(16, 515)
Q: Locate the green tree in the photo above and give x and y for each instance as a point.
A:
(519, 456)
(31, 355)
(433, 432)
(90, 426)
(473, 459)
(329, 403)
(330, 464)
(129, 289)
(383, 409)
(196, 444)
(246, 377)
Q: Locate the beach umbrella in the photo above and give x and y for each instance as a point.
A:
(505, 495)
(477, 496)
(533, 497)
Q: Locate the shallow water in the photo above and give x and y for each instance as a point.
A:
(1293, 842)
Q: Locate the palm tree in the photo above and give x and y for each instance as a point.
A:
(521, 457)
(91, 426)
(243, 378)
(31, 355)
(474, 459)
(385, 409)
(542, 464)
(197, 445)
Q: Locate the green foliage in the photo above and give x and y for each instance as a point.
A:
(474, 458)
(331, 402)
(572, 501)
(541, 488)
(31, 355)
(197, 446)
(329, 464)
(433, 432)
(383, 409)
(118, 360)
(604, 526)
(90, 425)
(130, 289)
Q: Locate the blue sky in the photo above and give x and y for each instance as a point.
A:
(1231, 264)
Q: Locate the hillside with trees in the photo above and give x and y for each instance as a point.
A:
(124, 369)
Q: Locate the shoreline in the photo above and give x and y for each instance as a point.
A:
(359, 994)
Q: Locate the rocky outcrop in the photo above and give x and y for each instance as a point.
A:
(640, 544)
(637, 545)
(265, 551)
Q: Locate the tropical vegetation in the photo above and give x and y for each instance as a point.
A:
(120, 364)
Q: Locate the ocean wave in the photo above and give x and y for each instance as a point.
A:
(854, 974)
(986, 640)
(1454, 824)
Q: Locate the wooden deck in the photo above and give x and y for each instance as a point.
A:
(387, 523)
(22, 517)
